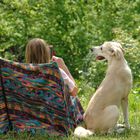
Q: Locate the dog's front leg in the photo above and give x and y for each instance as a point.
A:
(124, 104)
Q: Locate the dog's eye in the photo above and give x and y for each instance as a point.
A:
(101, 48)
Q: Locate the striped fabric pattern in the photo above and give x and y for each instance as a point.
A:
(34, 98)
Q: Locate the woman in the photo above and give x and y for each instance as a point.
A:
(37, 51)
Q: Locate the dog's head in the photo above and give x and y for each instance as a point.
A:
(108, 50)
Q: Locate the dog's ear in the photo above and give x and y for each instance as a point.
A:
(115, 52)
(120, 46)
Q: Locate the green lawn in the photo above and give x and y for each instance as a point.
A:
(132, 134)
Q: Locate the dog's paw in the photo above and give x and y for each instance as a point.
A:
(127, 126)
(82, 132)
(118, 126)
(121, 128)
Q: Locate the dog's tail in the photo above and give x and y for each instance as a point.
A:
(82, 132)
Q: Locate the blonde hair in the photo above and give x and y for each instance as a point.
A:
(37, 51)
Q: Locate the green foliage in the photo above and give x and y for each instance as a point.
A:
(93, 71)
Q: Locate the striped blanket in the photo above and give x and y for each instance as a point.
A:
(34, 98)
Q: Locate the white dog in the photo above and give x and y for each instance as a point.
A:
(102, 112)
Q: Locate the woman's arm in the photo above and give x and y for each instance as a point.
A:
(63, 66)
(72, 87)
(69, 80)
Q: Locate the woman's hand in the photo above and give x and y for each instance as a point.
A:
(59, 61)
(74, 91)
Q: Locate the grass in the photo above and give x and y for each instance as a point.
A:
(132, 134)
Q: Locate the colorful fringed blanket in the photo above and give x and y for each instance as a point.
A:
(34, 98)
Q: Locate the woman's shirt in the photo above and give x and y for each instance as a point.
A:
(67, 80)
